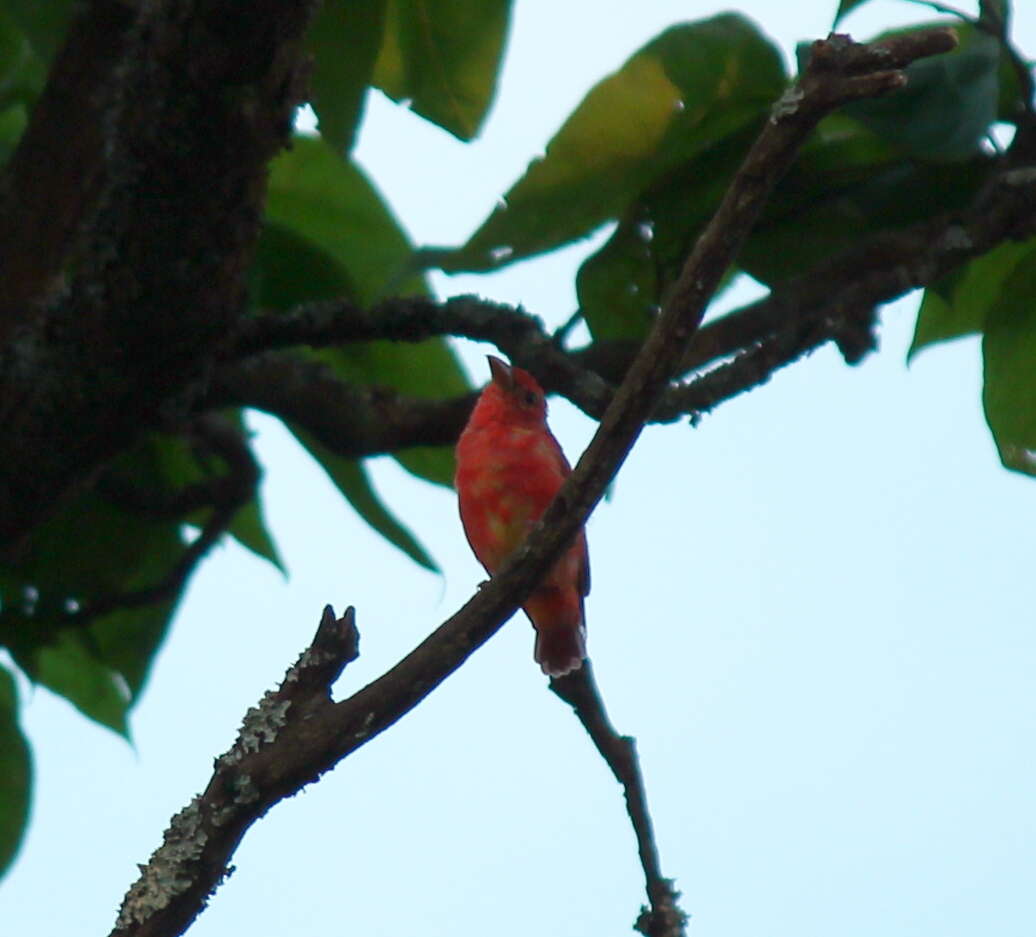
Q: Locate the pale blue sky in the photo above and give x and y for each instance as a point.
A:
(814, 612)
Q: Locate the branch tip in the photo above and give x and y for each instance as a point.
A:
(335, 645)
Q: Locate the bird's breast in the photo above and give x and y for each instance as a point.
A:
(505, 480)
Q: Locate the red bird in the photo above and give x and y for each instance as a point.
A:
(509, 467)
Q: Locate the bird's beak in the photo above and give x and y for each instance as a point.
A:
(502, 373)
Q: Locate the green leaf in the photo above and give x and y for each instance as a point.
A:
(814, 215)
(351, 479)
(12, 124)
(618, 286)
(423, 369)
(289, 269)
(938, 320)
(686, 89)
(443, 57)
(173, 464)
(15, 774)
(847, 180)
(128, 640)
(68, 667)
(344, 39)
(621, 287)
(960, 303)
(329, 233)
(92, 550)
(249, 529)
(101, 667)
(44, 24)
(845, 7)
(114, 652)
(995, 12)
(1009, 373)
(949, 102)
(21, 72)
(325, 201)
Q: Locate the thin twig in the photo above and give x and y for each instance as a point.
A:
(663, 917)
(232, 491)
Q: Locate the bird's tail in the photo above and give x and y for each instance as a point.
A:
(560, 649)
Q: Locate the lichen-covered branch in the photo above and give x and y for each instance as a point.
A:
(247, 780)
(514, 331)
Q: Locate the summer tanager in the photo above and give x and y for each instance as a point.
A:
(509, 467)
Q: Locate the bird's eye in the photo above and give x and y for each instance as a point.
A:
(529, 398)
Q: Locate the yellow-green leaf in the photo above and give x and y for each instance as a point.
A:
(344, 39)
(689, 87)
(442, 57)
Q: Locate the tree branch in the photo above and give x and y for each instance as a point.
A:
(515, 332)
(246, 781)
(286, 750)
(211, 435)
(351, 420)
(228, 493)
(663, 917)
(359, 421)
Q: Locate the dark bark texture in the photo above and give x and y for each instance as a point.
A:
(134, 229)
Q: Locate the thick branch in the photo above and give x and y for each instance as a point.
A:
(290, 753)
(203, 99)
(351, 420)
(52, 178)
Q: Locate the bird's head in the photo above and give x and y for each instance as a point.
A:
(515, 394)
